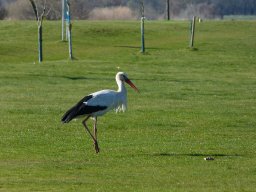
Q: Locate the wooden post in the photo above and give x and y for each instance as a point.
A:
(168, 9)
(142, 27)
(193, 26)
(142, 35)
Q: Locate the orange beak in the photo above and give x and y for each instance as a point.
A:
(128, 81)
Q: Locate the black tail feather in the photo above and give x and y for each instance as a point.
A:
(81, 109)
(74, 111)
(69, 115)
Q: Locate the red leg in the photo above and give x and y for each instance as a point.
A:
(93, 138)
(97, 149)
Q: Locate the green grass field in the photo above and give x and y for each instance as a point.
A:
(193, 104)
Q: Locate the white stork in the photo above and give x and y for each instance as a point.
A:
(98, 103)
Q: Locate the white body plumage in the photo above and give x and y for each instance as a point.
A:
(113, 100)
(98, 103)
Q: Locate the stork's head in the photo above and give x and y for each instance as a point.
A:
(123, 77)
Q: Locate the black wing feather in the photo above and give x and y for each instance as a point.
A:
(71, 113)
(81, 109)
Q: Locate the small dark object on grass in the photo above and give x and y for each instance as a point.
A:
(208, 158)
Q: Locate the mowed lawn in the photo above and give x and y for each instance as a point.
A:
(192, 104)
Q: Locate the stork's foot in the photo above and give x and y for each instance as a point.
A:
(96, 146)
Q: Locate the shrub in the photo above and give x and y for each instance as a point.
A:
(111, 13)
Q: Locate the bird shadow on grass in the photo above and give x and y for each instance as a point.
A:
(74, 78)
(194, 155)
(86, 78)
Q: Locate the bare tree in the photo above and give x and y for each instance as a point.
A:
(21, 9)
(39, 18)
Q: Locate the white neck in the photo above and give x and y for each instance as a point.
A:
(121, 86)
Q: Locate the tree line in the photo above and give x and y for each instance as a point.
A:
(154, 9)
